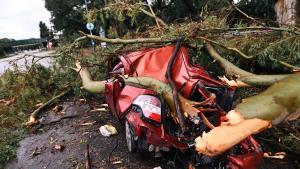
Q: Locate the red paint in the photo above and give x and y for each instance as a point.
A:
(154, 62)
(249, 160)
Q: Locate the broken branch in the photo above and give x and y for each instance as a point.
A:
(87, 157)
(34, 115)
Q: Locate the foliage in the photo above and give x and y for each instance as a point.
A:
(67, 15)
(118, 18)
(28, 89)
(5, 47)
(287, 49)
(45, 32)
(186, 9)
(262, 11)
(263, 48)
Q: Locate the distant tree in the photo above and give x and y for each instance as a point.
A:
(44, 31)
(66, 15)
(170, 10)
(69, 16)
(5, 46)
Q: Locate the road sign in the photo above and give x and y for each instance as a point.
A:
(90, 26)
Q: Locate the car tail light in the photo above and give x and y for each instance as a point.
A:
(150, 106)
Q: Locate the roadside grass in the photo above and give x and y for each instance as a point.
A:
(27, 92)
(28, 89)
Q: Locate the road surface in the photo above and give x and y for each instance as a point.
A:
(25, 58)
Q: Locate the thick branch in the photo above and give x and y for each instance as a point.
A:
(227, 47)
(253, 28)
(246, 77)
(275, 103)
(160, 87)
(224, 137)
(253, 115)
(34, 115)
(125, 41)
(244, 56)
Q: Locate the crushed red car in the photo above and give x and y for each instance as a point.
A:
(149, 127)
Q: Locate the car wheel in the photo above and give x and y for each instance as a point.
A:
(131, 144)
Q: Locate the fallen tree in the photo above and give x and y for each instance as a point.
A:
(160, 87)
(274, 105)
(251, 116)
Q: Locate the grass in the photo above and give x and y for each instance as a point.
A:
(27, 91)
(30, 88)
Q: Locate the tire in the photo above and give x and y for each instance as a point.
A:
(142, 146)
(131, 144)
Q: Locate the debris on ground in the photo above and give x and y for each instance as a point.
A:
(87, 157)
(58, 147)
(117, 162)
(57, 108)
(157, 167)
(68, 134)
(99, 110)
(87, 123)
(278, 155)
(35, 152)
(8, 102)
(108, 130)
(82, 101)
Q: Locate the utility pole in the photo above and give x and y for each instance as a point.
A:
(90, 28)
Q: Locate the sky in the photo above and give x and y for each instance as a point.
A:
(19, 19)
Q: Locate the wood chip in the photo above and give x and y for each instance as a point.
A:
(117, 162)
(87, 123)
(57, 109)
(99, 110)
(278, 155)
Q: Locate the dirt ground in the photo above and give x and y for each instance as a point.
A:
(37, 150)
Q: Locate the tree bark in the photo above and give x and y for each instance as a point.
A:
(146, 82)
(276, 103)
(253, 115)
